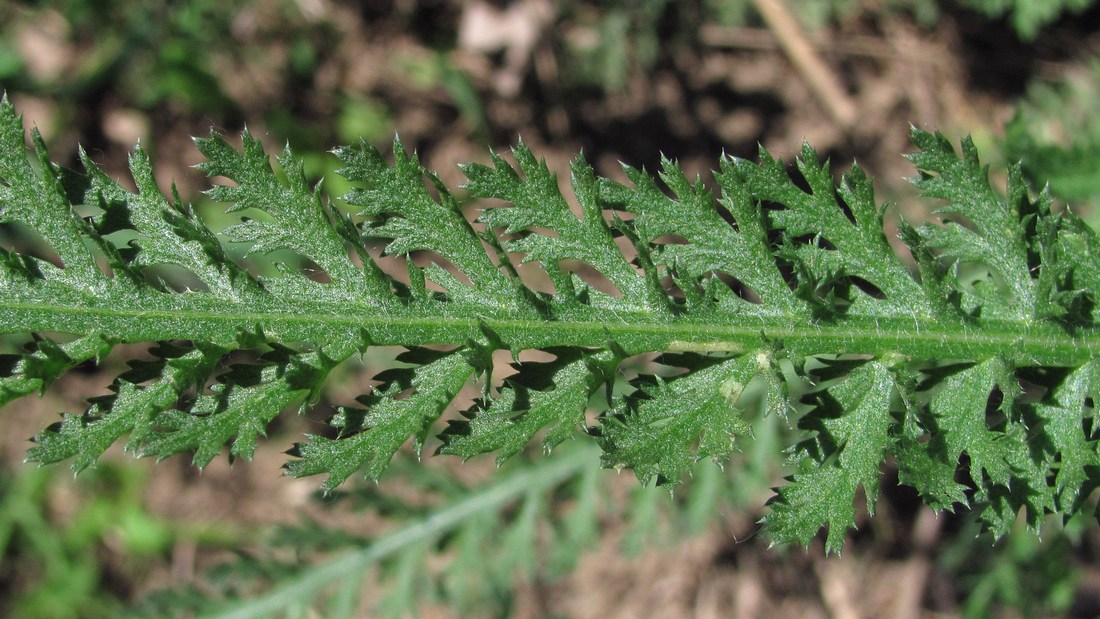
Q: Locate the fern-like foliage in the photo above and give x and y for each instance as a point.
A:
(1062, 108)
(663, 311)
(481, 537)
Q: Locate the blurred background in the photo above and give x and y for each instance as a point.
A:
(624, 81)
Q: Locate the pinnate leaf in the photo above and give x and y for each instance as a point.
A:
(662, 301)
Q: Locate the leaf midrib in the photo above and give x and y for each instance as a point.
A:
(1019, 341)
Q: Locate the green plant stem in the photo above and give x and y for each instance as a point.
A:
(1018, 341)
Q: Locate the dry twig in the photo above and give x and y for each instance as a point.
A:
(821, 79)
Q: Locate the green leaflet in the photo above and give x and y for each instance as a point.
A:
(538, 205)
(400, 208)
(550, 396)
(1000, 241)
(44, 362)
(168, 232)
(716, 248)
(130, 411)
(1062, 414)
(370, 437)
(34, 196)
(664, 310)
(665, 426)
(238, 409)
(300, 221)
(853, 422)
(859, 252)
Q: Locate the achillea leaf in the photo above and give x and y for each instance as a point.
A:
(715, 247)
(783, 279)
(131, 410)
(960, 410)
(1066, 409)
(169, 232)
(37, 199)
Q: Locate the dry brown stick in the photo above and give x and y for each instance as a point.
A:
(864, 46)
(824, 84)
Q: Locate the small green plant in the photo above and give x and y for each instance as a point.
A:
(1055, 135)
(61, 564)
(1028, 16)
(662, 307)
